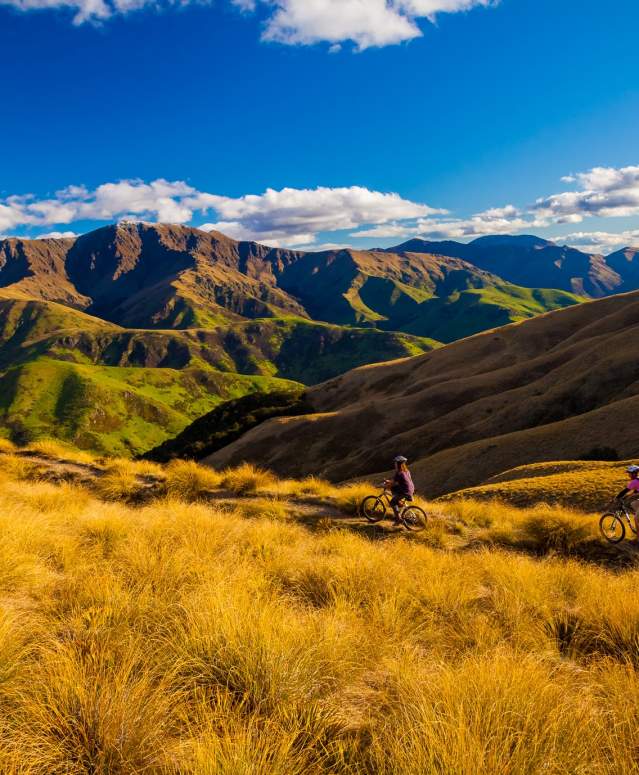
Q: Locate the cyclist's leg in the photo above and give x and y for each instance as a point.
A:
(395, 503)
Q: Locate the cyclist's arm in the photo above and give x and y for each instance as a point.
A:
(623, 494)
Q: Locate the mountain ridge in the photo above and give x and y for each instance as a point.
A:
(531, 261)
(164, 276)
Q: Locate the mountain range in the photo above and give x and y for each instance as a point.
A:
(529, 260)
(118, 339)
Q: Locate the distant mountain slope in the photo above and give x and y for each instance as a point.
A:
(287, 347)
(162, 276)
(430, 295)
(551, 388)
(534, 262)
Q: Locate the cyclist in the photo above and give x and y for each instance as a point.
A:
(632, 487)
(401, 485)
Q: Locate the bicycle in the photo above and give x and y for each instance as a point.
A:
(613, 523)
(375, 508)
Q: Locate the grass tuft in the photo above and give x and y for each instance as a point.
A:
(189, 481)
(247, 479)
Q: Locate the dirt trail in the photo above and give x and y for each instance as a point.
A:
(312, 512)
(324, 514)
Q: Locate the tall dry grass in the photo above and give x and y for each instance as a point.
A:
(175, 637)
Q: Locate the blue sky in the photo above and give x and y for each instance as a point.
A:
(312, 122)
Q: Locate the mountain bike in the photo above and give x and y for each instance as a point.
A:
(613, 523)
(375, 508)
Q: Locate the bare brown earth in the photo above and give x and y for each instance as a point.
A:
(552, 388)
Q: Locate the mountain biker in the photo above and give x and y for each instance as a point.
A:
(401, 485)
(632, 487)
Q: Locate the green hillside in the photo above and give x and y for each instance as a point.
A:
(110, 409)
(110, 389)
(471, 311)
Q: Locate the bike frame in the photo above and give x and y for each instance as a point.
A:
(623, 512)
(388, 495)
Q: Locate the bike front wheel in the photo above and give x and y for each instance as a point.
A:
(414, 518)
(373, 508)
(612, 528)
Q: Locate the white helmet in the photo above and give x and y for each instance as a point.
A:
(402, 459)
(632, 469)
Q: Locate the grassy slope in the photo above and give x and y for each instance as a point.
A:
(184, 637)
(477, 309)
(555, 387)
(581, 484)
(111, 409)
(74, 376)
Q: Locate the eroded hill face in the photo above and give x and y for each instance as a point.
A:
(550, 388)
(163, 276)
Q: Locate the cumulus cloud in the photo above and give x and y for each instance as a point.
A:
(604, 191)
(497, 220)
(57, 235)
(284, 217)
(290, 217)
(602, 241)
(293, 22)
(295, 216)
(367, 23)
(161, 199)
(87, 10)
(494, 221)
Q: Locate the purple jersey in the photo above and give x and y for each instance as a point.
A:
(403, 483)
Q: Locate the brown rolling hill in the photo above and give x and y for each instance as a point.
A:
(555, 387)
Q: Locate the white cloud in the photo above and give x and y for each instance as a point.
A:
(300, 218)
(286, 217)
(605, 192)
(292, 216)
(57, 235)
(497, 220)
(601, 241)
(389, 230)
(367, 23)
(161, 199)
(84, 10)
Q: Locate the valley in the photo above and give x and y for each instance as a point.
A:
(118, 339)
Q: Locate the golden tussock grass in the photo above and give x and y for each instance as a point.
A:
(57, 449)
(6, 446)
(247, 479)
(189, 481)
(584, 485)
(180, 638)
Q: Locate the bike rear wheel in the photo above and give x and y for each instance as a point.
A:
(414, 518)
(612, 528)
(373, 508)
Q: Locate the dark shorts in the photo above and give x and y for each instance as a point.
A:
(400, 496)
